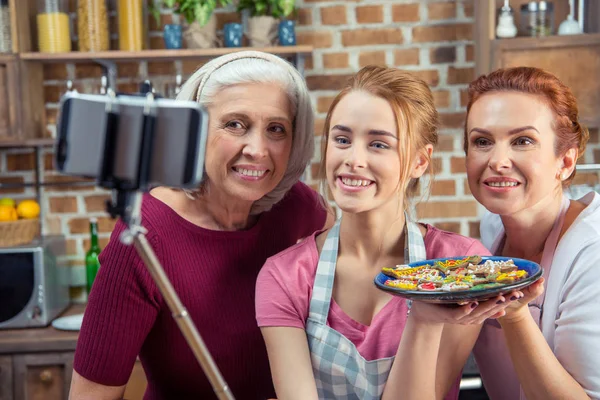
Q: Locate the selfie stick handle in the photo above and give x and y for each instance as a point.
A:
(180, 314)
(128, 206)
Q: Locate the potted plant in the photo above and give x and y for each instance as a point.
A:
(264, 19)
(200, 26)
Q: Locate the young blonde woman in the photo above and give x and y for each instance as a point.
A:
(316, 302)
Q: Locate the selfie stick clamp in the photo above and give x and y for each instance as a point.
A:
(126, 204)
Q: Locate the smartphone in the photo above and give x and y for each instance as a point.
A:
(176, 154)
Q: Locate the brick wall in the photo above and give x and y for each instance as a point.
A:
(432, 39)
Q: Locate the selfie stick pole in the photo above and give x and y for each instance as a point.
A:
(126, 204)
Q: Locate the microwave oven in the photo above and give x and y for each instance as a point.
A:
(34, 283)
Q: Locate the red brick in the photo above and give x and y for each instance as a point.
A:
(430, 76)
(335, 60)
(468, 7)
(72, 247)
(227, 18)
(60, 205)
(440, 55)
(317, 39)
(436, 165)
(53, 93)
(161, 68)
(448, 226)
(305, 16)
(437, 11)
(308, 62)
(55, 71)
(474, 230)
(327, 82)
(82, 225)
(406, 57)
(447, 209)
(163, 20)
(20, 162)
(405, 12)
(363, 37)
(11, 180)
(596, 156)
(594, 137)
(452, 120)
(460, 75)
(443, 187)
(457, 165)
(319, 126)
(49, 161)
(128, 70)
(65, 179)
(323, 103)
(157, 43)
(586, 178)
(369, 14)
(335, 15)
(188, 67)
(464, 97)
(445, 143)
(96, 203)
(128, 87)
(469, 53)
(371, 58)
(441, 98)
(88, 71)
(102, 242)
(442, 33)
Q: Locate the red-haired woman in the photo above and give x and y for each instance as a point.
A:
(522, 141)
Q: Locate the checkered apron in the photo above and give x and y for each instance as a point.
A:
(340, 371)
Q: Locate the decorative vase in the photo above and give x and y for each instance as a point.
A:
(172, 36)
(233, 34)
(287, 33)
(262, 31)
(201, 37)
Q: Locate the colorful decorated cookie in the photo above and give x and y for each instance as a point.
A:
(406, 284)
(427, 286)
(455, 286)
(449, 265)
(511, 276)
(401, 272)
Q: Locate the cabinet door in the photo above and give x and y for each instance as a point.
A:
(6, 379)
(43, 376)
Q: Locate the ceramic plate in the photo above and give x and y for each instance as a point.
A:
(534, 272)
(70, 323)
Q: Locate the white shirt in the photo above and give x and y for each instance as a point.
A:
(571, 318)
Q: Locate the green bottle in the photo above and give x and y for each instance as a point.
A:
(91, 257)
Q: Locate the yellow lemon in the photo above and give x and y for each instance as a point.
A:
(7, 201)
(8, 213)
(28, 209)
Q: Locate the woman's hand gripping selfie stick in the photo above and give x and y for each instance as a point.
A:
(126, 204)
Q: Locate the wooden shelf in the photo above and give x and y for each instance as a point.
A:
(555, 41)
(7, 57)
(158, 55)
(46, 142)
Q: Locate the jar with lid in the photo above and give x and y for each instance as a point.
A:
(92, 25)
(5, 42)
(545, 24)
(132, 16)
(54, 34)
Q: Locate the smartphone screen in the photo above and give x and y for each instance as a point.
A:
(177, 155)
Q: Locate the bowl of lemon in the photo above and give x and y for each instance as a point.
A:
(19, 222)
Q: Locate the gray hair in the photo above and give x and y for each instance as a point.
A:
(257, 67)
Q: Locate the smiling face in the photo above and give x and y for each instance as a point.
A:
(249, 141)
(362, 158)
(511, 161)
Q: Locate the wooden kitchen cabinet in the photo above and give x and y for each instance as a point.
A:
(37, 364)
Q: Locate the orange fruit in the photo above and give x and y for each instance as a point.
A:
(28, 209)
(8, 213)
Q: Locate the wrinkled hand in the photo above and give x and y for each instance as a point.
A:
(468, 314)
(518, 309)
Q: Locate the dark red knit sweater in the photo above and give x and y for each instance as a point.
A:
(214, 273)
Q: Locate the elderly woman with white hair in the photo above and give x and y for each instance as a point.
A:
(211, 242)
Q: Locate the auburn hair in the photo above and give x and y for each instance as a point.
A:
(558, 96)
(416, 117)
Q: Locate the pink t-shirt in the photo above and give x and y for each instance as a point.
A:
(284, 288)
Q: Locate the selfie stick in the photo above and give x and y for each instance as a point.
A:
(126, 204)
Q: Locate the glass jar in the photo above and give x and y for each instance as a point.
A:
(54, 35)
(132, 27)
(5, 42)
(92, 25)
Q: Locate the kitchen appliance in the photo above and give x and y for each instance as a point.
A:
(34, 284)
